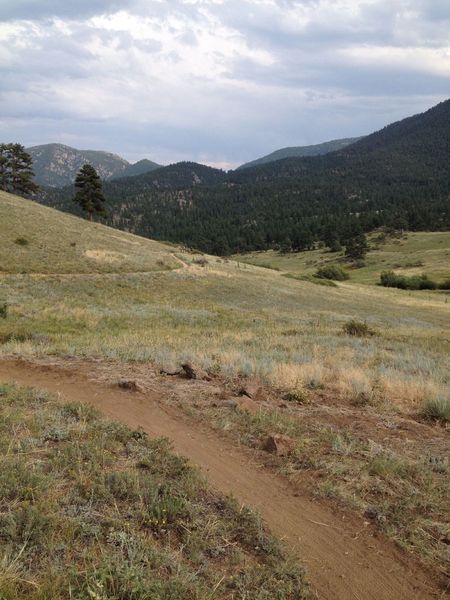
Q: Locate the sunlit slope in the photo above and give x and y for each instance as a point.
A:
(411, 254)
(37, 239)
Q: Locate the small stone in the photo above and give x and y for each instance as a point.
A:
(193, 371)
(252, 390)
(245, 404)
(230, 403)
(130, 385)
(278, 444)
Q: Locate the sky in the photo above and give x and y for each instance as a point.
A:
(216, 81)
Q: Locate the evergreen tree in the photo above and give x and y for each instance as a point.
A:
(356, 247)
(89, 195)
(16, 173)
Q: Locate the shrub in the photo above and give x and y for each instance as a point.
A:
(416, 282)
(202, 261)
(357, 328)
(445, 285)
(437, 409)
(21, 241)
(3, 309)
(296, 396)
(334, 272)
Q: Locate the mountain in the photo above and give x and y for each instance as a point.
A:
(56, 165)
(142, 166)
(177, 175)
(299, 151)
(396, 177)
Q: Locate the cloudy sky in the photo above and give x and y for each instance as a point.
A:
(217, 81)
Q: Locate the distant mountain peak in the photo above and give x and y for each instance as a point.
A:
(56, 165)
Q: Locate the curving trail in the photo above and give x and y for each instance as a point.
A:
(344, 560)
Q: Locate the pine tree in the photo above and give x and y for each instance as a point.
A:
(16, 173)
(356, 247)
(89, 195)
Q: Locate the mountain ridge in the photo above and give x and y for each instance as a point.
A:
(56, 165)
(300, 151)
(396, 177)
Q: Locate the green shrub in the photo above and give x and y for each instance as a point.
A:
(357, 328)
(416, 282)
(437, 409)
(334, 272)
(3, 309)
(21, 241)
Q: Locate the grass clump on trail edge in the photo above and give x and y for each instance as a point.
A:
(437, 409)
(92, 509)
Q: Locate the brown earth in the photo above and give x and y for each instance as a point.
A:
(345, 559)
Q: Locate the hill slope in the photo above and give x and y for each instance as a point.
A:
(56, 165)
(299, 151)
(397, 177)
(37, 239)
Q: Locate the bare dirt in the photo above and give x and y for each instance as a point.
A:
(344, 558)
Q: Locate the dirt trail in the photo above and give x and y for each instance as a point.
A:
(344, 560)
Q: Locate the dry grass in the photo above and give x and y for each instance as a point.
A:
(92, 509)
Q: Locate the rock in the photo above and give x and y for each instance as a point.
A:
(130, 385)
(170, 371)
(278, 444)
(245, 404)
(193, 371)
(229, 404)
(252, 390)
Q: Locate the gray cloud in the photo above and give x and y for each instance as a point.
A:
(217, 82)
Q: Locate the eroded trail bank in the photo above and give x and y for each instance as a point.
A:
(344, 560)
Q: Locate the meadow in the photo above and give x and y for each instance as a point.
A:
(162, 305)
(407, 254)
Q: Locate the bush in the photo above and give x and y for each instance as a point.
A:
(357, 329)
(3, 309)
(334, 272)
(445, 285)
(416, 282)
(437, 409)
(21, 241)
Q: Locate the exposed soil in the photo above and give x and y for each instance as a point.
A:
(346, 560)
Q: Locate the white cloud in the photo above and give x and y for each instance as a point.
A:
(221, 81)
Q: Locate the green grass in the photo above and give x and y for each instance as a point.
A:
(410, 254)
(92, 509)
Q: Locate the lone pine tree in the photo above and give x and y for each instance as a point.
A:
(89, 195)
(16, 173)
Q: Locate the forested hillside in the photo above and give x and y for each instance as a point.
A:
(298, 151)
(396, 177)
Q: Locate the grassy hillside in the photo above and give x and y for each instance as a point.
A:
(410, 254)
(231, 317)
(92, 509)
(35, 239)
(344, 398)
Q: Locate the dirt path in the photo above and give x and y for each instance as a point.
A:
(344, 560)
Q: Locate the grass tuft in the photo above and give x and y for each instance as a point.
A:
(437, 409)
